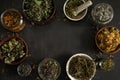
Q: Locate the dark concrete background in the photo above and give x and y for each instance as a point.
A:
(59, 39)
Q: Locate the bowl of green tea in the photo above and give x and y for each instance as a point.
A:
(70, 6)
(80, 67)
(38, 11)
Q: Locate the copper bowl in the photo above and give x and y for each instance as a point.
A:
(97, 42)
(44, 21)
(18, 61)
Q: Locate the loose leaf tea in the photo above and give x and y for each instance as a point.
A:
(81, 67)
(24, 69)
(38, 10)
(49, 69)
(108, 39)
(102, 13)
(107, 64)
(12, 20)
(12, 50)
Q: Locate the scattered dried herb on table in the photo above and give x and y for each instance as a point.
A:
(81, 67)
(12, 50)
(71, 5)
(38, 10)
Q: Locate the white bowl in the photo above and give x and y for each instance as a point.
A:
(73, 18)
(67, 65)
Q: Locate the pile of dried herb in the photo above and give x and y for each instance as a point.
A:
(108, 39)
(38, 10)
(71, 5)
(49, 69)
(107, 64)
(81, 67)
(12, 50)
(102, 13)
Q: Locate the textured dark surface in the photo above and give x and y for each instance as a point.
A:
(59, 39)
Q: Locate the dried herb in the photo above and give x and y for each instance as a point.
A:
(102, 13)
(38, 10)
(71, 5)
(12, 20)
(24, 69)
(49, 69)
(81, 67)
(108, 39)
(12, 50)
(107, 64)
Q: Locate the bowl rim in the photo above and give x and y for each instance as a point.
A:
(25, 44)
(112, 52)
(79, 54)
(42, 21)
(46, 59)
(70, 17)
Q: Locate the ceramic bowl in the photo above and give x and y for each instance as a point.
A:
(18, 61)
(75, 19)
(75, 55)
(98, 42)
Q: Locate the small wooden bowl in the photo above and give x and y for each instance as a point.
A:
(18, 61)
(96, 41)
(38, 22)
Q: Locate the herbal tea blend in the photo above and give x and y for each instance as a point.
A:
(107, 64)
(38, 10)
(102, 13)
(81, 67)
(12, 20)
(49, 69)
(12, 50)
(24, 69)
(108, 39)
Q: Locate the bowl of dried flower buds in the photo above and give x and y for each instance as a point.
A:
(13, 50)
(108, 39)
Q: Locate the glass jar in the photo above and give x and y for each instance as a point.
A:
(102, 13)
(49, 69)
(12, 20)
(24, 69)
(107, 64)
